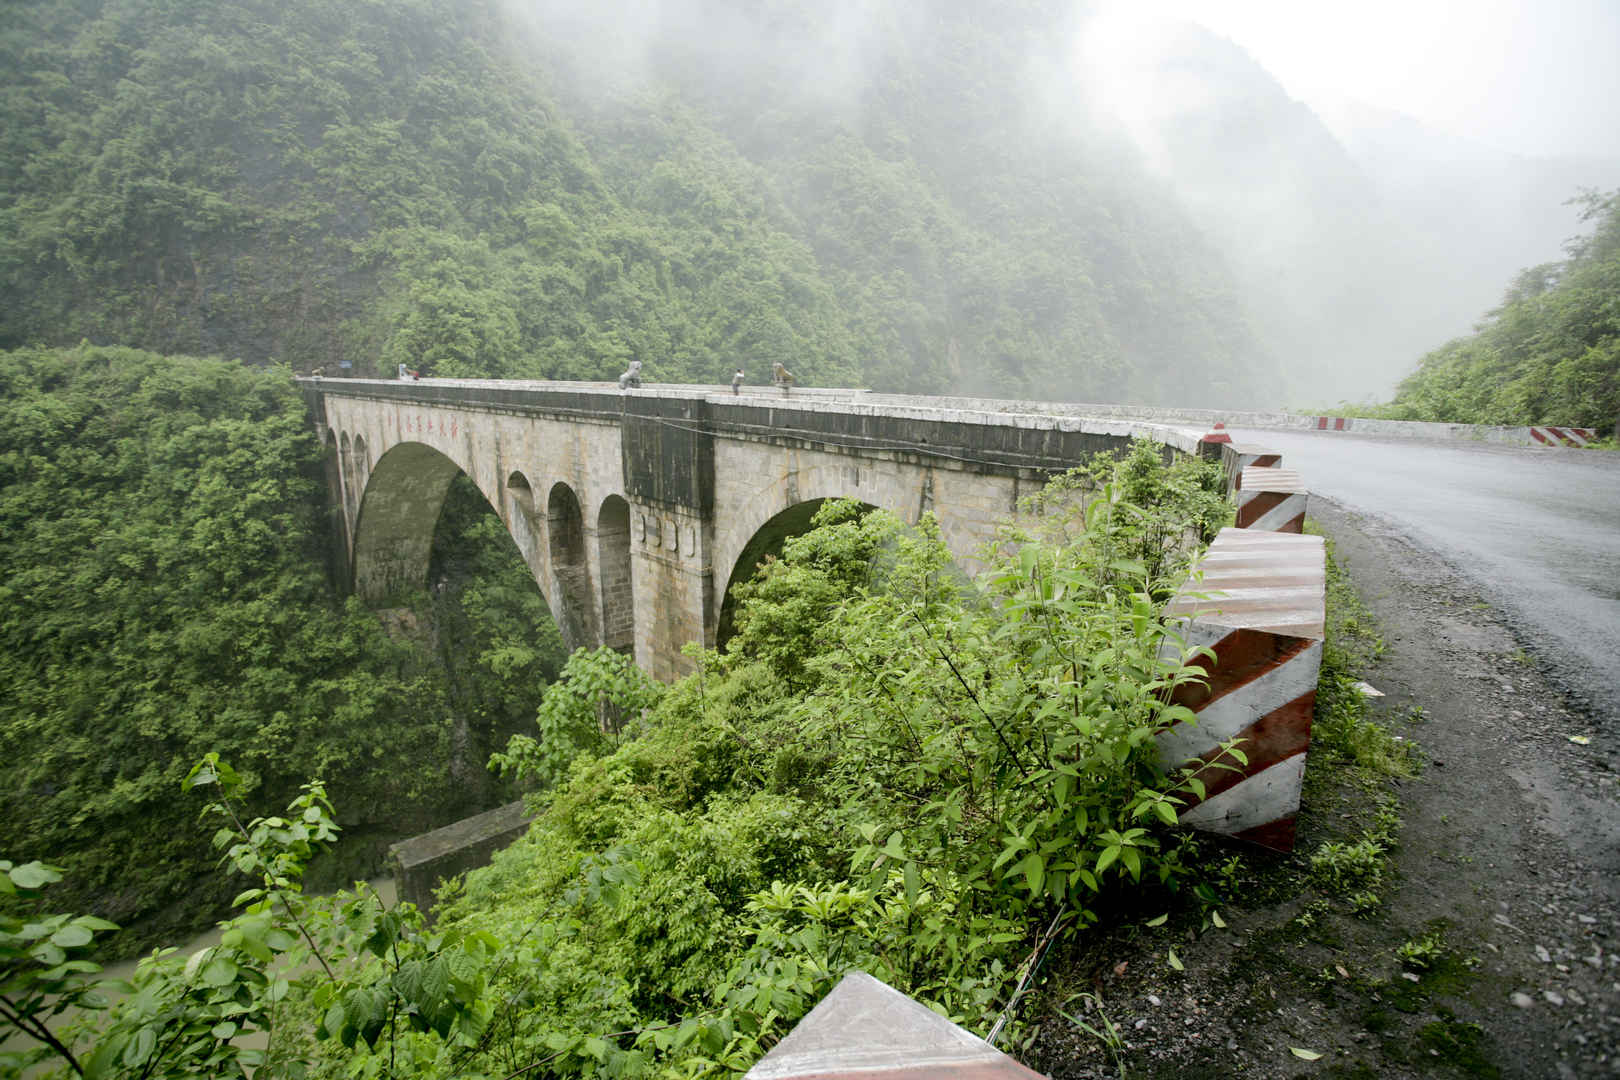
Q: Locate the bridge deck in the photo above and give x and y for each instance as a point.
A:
(835, 411)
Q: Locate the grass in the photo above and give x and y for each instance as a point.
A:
(1344, 727)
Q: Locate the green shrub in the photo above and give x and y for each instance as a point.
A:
(947, 773)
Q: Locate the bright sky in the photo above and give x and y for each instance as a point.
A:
(1535, 77)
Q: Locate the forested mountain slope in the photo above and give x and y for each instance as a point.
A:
(165, 594)
(871, 193)
(1360, 239)
(1549, 354)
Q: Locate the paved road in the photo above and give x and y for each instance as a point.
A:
(1537, 530)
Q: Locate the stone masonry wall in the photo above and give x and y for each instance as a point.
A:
(690, 476)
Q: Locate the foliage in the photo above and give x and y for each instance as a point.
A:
(43, 970)
(956, 772)
(1550, 354)
(367, 971)
(162, 522)
(1178, 508)
(477, 192)
(887, 768)
(582, 714)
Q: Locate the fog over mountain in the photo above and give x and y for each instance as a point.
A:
(1363, 238)
(1359, 238)
(1033, 199)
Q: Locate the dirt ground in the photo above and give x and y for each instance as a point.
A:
(1504, 886)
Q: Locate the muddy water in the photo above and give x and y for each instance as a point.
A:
(384, 887)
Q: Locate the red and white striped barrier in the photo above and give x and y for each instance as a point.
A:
(1235, 457)
(1213, 444)
(1270, 498)
(1538, 436)
(1568, 436)
(1260, 607)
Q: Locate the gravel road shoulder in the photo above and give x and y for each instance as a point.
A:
(1504, 888)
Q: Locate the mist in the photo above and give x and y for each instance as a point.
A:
(1364, 237)
(1353, 238)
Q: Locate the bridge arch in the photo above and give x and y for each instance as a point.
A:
(399, 508)
(766, 515)
(766, 542)
(521, 519)
(615, 570)
(571, 596)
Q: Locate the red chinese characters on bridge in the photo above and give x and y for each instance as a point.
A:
(425, 424)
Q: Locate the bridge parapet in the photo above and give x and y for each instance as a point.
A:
(1038, 435)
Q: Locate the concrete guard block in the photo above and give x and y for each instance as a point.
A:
(1271, 498)
(865, 1029)
(1260, 606)
(423, 861)
(1235, 457)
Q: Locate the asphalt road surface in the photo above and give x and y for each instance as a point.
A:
(1538, 530)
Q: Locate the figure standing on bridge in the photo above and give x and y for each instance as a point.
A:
(737, 381)
(631, 377)
(781, 376)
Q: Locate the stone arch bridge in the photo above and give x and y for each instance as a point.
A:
(635, 510)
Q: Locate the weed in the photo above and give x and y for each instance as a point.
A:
(1351, 640)
(1386, 826)
(1364, 903)
(1339, 867)
(1227, 875)
(1104, 1031)
(1314, 910)
(1422, 953)
(1343, 727)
